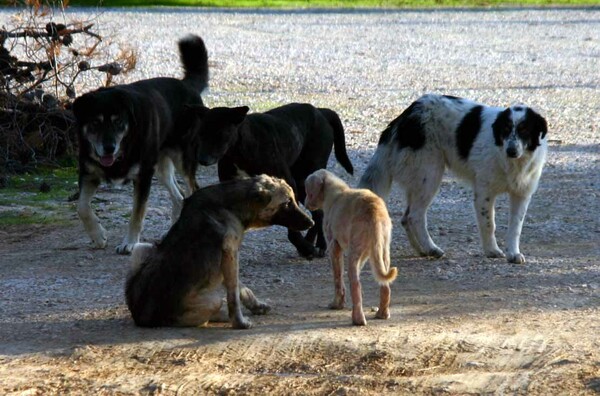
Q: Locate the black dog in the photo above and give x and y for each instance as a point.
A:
(178, 282)
(289, 142)
(127, 131)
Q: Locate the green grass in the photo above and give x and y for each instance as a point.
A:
(12, 218)
(332, 3)
(22, 202)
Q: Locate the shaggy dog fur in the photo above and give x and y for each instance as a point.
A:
(126, 132)
(497, 150)
(178, 281)
(289, 142)
(355, 222)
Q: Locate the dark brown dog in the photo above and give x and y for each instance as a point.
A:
(128, 132)
(177, 282)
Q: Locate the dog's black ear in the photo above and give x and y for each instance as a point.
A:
(81, 104)
(537, 128)
(238, 114)
(502, 126)
(539, 123)
(197, 110)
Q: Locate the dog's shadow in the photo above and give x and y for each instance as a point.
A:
(64, 338)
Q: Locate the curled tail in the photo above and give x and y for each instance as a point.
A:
(194, 58)
(339, 140)
(380, 256)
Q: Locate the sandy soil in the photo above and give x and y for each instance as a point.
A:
(462, 324)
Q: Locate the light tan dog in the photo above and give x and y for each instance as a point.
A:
(357, 222)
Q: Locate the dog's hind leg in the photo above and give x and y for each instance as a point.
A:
(518, 208)
(87, 188)
(200, 308)
(250, 301)
(420, 191)
(166, 175)
(355, 263)
(336, 257)
(141, 191)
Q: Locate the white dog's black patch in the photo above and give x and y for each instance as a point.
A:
(467, 131)
(498, 150)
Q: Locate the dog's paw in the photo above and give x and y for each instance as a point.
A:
(517, 258)
(383, 314)
(260, 309)
(99, 237)
(241, 323)
(125, 248)
(338, 301)
(320, 252)
(307, 253)
(359, 319)
(434, 252)
(495, 253)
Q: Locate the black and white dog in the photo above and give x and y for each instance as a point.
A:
(497, 150)
(126, 132)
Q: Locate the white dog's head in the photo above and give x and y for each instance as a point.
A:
(517, 129)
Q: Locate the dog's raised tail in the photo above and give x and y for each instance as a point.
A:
(339, 139)
(194, 58)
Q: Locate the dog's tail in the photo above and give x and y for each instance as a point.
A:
(378, 175)
(339, 140)
(194, 58)
(139, 254)
(380, 256)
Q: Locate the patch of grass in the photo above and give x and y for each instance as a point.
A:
(285, 4)
(40, 198)
(13, 217)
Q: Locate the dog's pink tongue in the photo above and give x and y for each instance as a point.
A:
(107, 160)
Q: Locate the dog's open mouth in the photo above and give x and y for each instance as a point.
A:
(107, 160)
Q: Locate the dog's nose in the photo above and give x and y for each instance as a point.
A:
(206, 161)
(512, 152)
(109, 148)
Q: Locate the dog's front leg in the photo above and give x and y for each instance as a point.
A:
(337, 264)
(230, 268)
(518, 208)
(484, 209)
(87, 188)
(141, 191)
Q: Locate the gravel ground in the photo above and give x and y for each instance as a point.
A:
(460, 325)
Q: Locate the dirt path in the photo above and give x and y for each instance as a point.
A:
(463, 324)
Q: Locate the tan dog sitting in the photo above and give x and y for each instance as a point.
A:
(355, 221)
